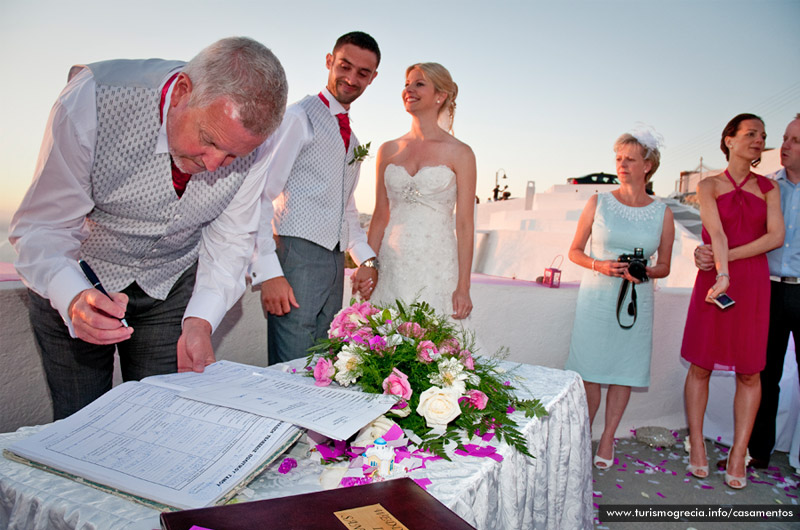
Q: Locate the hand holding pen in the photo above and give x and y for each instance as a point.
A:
(97, 316)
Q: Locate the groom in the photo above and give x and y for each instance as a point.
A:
(308, 214)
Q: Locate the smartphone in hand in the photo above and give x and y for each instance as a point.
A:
(724, 301)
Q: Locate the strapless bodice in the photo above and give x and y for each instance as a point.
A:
(431, 187)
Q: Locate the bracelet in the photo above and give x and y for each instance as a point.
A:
(721, 274)
(593, 262)
(371, 263)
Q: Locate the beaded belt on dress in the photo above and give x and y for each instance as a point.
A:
(785, 279)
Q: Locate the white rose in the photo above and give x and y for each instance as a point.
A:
(373, 431)
(346, 368)
(438, 406)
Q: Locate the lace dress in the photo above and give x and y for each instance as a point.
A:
(418, 254)
(600, 350)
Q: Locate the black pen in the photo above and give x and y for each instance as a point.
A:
(95, 281)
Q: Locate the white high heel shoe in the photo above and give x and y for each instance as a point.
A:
(696, 471)
(603, 463)
(734, 482)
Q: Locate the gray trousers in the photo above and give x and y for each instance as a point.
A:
(79, 372)
(316, 275)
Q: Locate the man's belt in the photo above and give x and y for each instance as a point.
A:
(785, 279)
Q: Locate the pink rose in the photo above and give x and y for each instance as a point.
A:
(477, 399)
(397, 384)
(466, 358)
(323, 372)
(411, 329)
(351, 320)
(426, 351)
(449, 346)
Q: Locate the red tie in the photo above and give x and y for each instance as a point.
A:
(344, 123)
(179, 178)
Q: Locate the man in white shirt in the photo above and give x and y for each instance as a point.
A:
(308, 213)
(150, 172)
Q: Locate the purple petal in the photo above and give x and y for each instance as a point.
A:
(328, 452)
(287, 465)
(423, 482)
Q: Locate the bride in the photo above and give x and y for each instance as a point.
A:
(424, 250)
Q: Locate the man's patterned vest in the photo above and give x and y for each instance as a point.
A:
(312, 205)
(140, 231)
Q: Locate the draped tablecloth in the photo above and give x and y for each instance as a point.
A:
(551, 491)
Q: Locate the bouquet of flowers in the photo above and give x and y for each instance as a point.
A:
(444, 393)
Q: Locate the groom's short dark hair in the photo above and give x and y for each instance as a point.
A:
(360, 39)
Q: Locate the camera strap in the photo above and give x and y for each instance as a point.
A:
(632, 306)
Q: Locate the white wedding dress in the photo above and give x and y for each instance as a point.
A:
(418, 255)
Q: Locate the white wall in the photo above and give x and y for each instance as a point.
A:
(533, 321)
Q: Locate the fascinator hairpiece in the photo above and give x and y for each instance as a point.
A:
(647, 136)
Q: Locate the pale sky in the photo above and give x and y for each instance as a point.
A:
(544, 87)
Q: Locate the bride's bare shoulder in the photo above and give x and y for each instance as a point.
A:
(459, 149)
(391, 148)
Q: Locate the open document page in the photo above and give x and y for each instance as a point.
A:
(334, 412)
(145, 442)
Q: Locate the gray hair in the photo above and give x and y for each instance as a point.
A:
(651, 154)
(248, 74)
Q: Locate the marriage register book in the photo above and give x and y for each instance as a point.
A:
(144, 442)
(190, 440)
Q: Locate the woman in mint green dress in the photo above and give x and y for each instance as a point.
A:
(608, 347)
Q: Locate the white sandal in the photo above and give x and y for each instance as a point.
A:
(742, 480)
(603, 463)
(696, 471)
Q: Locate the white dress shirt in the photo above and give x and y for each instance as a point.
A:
(50, 224)
(283, 147)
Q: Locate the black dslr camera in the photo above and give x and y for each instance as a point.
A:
(636, 264)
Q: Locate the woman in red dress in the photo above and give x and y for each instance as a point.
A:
(742, 220)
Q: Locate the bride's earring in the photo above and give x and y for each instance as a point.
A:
(437, 101)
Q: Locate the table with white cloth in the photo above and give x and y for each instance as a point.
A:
(552, 490)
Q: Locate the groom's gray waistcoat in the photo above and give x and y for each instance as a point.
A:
(140, 231)
(312, 205)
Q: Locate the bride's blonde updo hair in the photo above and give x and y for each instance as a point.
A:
(442, 82)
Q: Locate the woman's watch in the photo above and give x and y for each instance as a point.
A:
(372, 263)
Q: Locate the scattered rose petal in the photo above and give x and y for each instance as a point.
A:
(287, 465)
(423, 482)
(354, 481)
(476, 450)
(329, 453)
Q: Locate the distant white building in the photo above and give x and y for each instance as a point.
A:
(770, 163)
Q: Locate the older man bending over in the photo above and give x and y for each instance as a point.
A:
(151, 172)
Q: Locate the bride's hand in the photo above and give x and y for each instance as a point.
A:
(462, 303)
(364, 281)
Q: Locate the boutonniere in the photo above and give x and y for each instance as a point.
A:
(360, 153)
